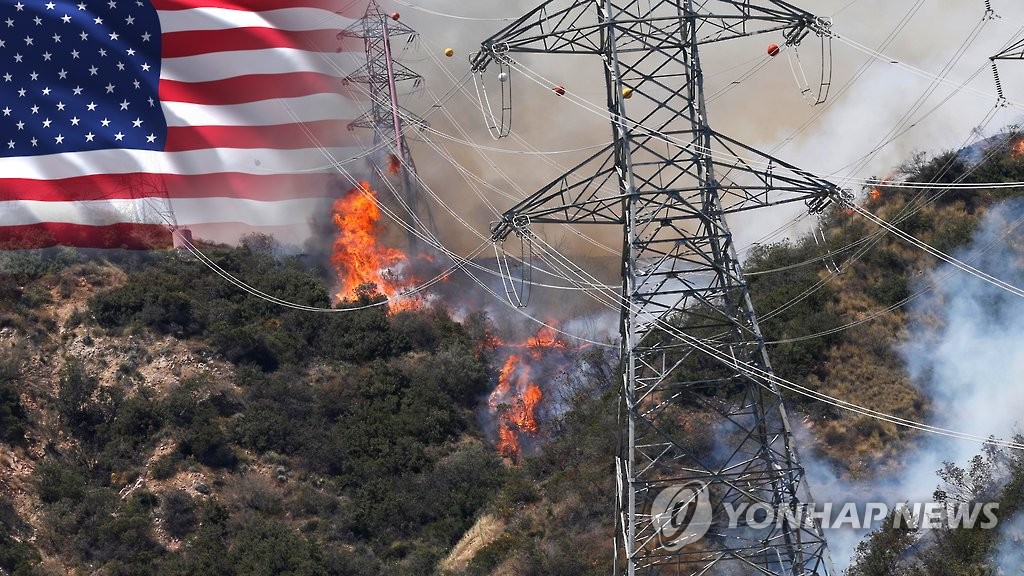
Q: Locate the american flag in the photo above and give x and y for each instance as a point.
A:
(107, 107)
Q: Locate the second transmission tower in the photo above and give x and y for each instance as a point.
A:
(383, 74)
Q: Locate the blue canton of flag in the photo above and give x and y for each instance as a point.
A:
(79, 76)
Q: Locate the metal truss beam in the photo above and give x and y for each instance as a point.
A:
(381, 74)
(692, 352)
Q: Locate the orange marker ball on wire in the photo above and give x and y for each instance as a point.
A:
(395, 15)
(773, 50)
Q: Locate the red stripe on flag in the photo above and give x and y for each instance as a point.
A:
(266, 188)
(252, 88)
(195, 42)
(354, 8)
(124, 235)
(326, 133)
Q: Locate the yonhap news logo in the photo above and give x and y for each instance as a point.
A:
(682, 514)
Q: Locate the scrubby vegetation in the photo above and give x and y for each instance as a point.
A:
(156, 420)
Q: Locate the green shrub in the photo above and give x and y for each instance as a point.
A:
(56, 481)
(178, 511)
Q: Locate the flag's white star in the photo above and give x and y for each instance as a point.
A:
(137, 123)
(124, 105)
(131, 52)
(56, 38)
(110, 88)
(145, 37)
(47, 122)
(98, 20)
(34, 75)
(74, 54)
(18, 57)
(105, 122)
(20, 125)
(113, 36)
(21, 93)
(90, 106)
(38, 21)
(6, 111)
(84, 36)
(19, 7)
(66, 18)
(35, 109)
(47, 56)
(50, 5)
(120, 65)
(89, 137)
(93, 70)
(151, 138)
(10, 143)
(10, 23)
(103, 52)
(77, 90)
(145, 67)
(137, 84)
(61, 106)
(2, 43)
(152, 104)
(118, 136)
(63, 74)
(46, 91)
(81, 6)
(112, 4)
(34, 142)
(130, 20)
(8, 78)
(59, 139)
(75, 121)
(28, 40)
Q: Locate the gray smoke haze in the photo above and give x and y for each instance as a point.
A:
(1009, 558)
(963, 349)
(762, 112)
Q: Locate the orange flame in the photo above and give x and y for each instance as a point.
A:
(1018, 149)
(517, 398)
(358, 258)
(875, 194)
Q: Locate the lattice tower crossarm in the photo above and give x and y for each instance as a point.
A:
(693, 355)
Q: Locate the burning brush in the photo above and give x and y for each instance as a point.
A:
(359, 258)
(516, 400)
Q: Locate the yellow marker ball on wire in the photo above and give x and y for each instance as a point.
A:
(627, 93)
(449, 52)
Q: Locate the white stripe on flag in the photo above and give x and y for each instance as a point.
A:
(291, 19)
(255, 161)
(263, 113)
(221, 65)
(187, 211)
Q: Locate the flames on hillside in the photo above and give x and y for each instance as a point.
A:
(1018, 149)
(516, 402)
(358, 256)
(531, 369)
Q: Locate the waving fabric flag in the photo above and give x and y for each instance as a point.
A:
(107, 108)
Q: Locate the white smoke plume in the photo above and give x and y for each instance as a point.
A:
(963, 350)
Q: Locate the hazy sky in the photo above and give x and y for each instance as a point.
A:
(765, 110)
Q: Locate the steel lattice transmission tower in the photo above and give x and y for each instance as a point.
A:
(383, 74)
(694, 359)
